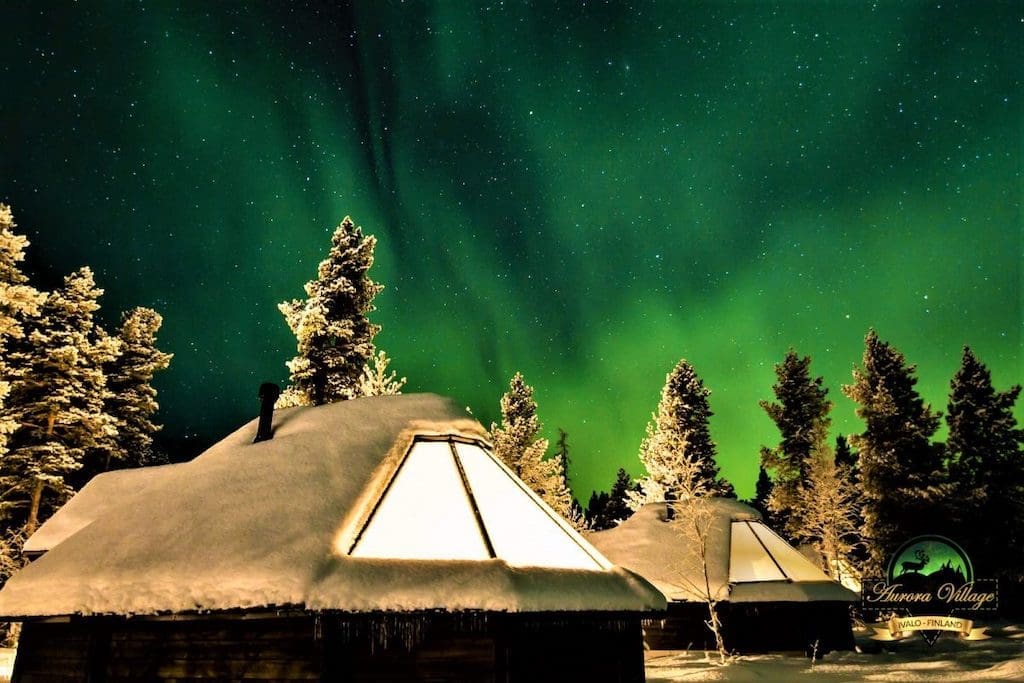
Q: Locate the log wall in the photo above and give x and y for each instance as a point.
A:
(358, 649)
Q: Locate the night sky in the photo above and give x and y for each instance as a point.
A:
(586, 192)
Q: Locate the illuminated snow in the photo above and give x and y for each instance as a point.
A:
(739, 568)
(250, 525)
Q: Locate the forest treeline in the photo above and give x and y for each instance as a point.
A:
(76, 400)
(856, 498)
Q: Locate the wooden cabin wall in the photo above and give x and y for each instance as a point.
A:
(754, 627)
(138, 650)
(369, 649)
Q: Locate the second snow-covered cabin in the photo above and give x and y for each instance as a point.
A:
(373, 539)
(770, 596)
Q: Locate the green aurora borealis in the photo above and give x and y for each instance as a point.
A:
(583, 192)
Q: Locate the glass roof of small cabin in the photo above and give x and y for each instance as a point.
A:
(757, 553)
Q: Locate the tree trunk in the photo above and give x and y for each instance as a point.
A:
(716, 627)
(33, 512)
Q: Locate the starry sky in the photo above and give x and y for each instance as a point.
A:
(583, 191)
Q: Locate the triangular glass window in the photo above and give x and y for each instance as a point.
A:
(522, 529)
(425, 513)
(794, 565)
(451, 500)
(748, 560)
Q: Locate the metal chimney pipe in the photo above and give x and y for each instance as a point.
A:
(268, 396)
(670, 511)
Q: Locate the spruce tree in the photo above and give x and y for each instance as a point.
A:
(130, 380)
(562, 453)
(844, 454)
(986, 450)
(596, 514)
(335, 338)
(516, 443)
(678, 442)
(618, 506)
(902, 475)
(802, 417)
(762, 493)
(19, 301)
(58, 400)
(376, 380)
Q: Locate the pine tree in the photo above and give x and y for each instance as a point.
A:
(902, 475)
(130, 380)
(596, 514)
(762, 493)
(802, 417)
(618, 506)
(377, 381)
(335, 338)
(19, 301)
(844, 454)
(562, 453)
(58, 400)
(986, 450)
(517, 445)
(678, 442)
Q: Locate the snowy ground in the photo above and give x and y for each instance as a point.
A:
(999, 659)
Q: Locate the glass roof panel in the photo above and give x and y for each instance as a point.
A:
(795, 565)
(522, 530)
(748, 560)
(425, 513)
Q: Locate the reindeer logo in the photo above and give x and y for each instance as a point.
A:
(916, 567)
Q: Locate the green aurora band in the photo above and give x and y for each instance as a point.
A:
(585, 193)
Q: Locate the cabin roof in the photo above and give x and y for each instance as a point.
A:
(289, 522)
(746, 561)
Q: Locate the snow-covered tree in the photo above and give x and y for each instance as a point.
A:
(902, 474)
(130, 380)
(12, 540)
(18, 302)
(801, 414)
(58, 400)
(376, 380)
(335, 338)
(986, 450)
(678, 441)
(693, 518)
(517, 445)
(829, 518)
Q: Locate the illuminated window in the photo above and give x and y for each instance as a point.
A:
(425, 512)
(454, 501)
(523, 530)
(757, 553)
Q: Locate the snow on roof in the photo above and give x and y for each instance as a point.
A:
(281, 523)
(746, 561)
(103, 492)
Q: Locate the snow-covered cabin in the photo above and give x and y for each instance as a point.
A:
(373, 539)
(771, 596)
